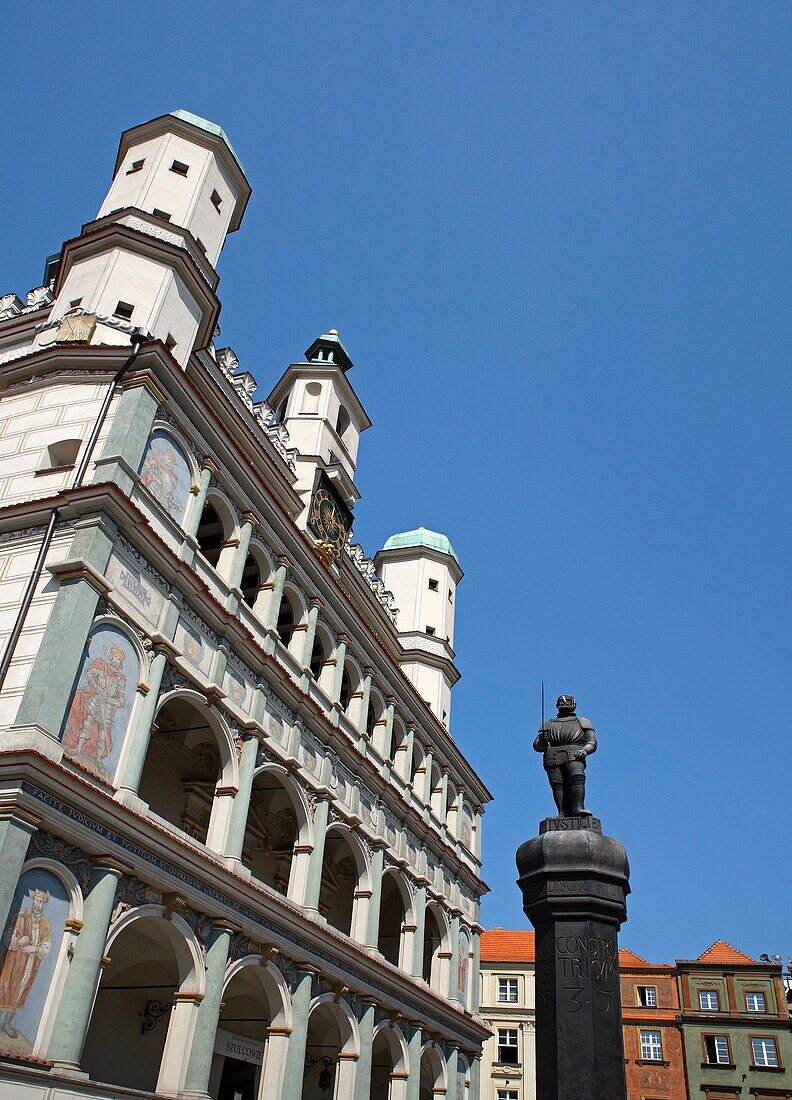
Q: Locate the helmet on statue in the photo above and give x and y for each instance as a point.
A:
(566, 702)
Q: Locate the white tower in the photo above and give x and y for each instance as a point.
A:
(147, 261)
(324, 417)
(422, 571)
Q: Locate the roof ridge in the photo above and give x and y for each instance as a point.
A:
(717, 949)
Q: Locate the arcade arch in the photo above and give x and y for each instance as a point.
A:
(136, 1011)
(189, 756)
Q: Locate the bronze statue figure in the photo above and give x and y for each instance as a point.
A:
(566, 741)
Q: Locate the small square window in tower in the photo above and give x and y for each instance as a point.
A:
(179, 168)
(216, 201)
(135, 166)
(432, 584)
(123, 310)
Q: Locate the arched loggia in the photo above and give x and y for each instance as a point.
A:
(137, 1010)
(189, 756)
(343, 897)
(277, 824)
(394, 905)
(389, 1064)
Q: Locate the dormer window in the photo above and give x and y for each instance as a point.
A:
(216, 201)
(179, 168)
(135, 166)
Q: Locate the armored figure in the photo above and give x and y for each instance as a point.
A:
(566, 741)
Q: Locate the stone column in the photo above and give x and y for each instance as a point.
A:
(453, 962)
(279, 576)
(475, 977)
(338, 672)
(203, 1039)
(419, 907)
(237, 566)
(49, 686)
(85, 968)
(574, 883)
(314, 608)
(375, 901)
(17, 826)
(239, 810)
(475, 1079)
(313, 881)
(192, 520)
(426, 795)
(366, 1028)
(407, 755)
(302, 988)
(364, 705)
(139, 735)
(384, 730)
(452, 1067)
(414, 1045)
(130, 429)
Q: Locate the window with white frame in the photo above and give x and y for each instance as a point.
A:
(651, 1046)
(709, 1000)
(755, 1002)
(765, 1051)
(507, 991)
(508, 1094)
(716, 1050)
(507, 1045)
(647, 996)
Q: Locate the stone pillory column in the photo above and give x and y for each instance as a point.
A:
(574, 883)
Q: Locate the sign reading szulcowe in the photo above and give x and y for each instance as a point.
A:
(239, 1046)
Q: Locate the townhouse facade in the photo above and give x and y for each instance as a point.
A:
(241, 850)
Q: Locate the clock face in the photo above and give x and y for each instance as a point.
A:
(328, 521)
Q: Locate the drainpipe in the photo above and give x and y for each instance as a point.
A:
(138, 338)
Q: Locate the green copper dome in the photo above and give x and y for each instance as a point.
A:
(421, 537)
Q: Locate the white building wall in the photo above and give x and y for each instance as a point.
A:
(17, 558)
(33, 420)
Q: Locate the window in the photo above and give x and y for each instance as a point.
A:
(123, 310)
(432, 584)
(75, 302)
(755, 1002)
(430, 630)
(507, 1094)
(60, 456)
(507, 990)
(216, 201)
(716, 1050)
(709, 1000)
(651, 1046)
(179, 168)
(450, 595)
(647, 996)
(507, 1045)
(163, 215)
(765, 1051)
(170, 343)
(135, 166)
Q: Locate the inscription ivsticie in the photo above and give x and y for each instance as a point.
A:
(564, 824)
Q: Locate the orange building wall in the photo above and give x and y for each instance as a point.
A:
(652, 1080)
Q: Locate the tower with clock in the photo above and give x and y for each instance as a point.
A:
(324, 418)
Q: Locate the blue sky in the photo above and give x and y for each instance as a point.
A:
(555, 241)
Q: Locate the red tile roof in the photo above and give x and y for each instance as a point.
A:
(722, 952)
(507, 945)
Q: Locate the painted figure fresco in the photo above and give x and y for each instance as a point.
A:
(166, 474)
(102, 702)
(31, 942)
(464, 961)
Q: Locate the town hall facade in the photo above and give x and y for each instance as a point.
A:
(241, 851)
